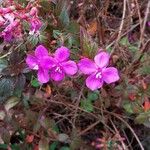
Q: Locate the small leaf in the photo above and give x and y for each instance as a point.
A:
(64, 17)
(65, 148)
(92, 96)
(128, 107)
(57, 34)
(6, 88)
(3, 64)
(11, 102)
(35, 83)
(19, 85)
(87, 105)
(53, 146)
(3, 146)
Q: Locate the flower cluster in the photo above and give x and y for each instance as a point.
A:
(12, 18)
(57, 65)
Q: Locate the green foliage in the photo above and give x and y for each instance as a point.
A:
(54, 145)
(143, 118)
(64, 148)
(89, 47)
(92, 96)
(7, 87)
(3, 64)
(34, 82)
(125, 42)
(87, 105)
(64, 17)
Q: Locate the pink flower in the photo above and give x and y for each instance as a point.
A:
(98, 71)
(40, 61)
(11, 31)
(35, 25)
(61, 65)
(51, 67)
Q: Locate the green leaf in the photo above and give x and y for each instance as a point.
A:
(124, 41)
(3, 64)
(3, 146)
(64, 148)
(33, 39)
(64, 17)
(87, 105)
(128, 107)
(92, 96)
(35, 82)
(143, 118)
(89, 46)
(19, 86)
(42, 38)
(53, 146)
(57, 34)
(6, 88)
(73, 27)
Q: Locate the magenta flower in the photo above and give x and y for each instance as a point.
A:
(97, 71)
(35, 25)
(61, 64)
(40, 61)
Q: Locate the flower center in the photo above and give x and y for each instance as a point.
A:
(99, 75)
(36, 67)
(58, 69)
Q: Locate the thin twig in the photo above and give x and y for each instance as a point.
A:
(144, 24)
(118, 117)
(89, 128)
(121, 26)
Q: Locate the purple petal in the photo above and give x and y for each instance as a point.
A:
(94, 83)
(110, 75)
(43, 75)
(41, 52)
(70, 67)
(32, 62)
(62, 54)
(47, 62)
(87, 66)
(102, 59)
(57, 74)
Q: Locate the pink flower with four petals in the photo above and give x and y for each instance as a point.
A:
(98, 71)
(49, 67)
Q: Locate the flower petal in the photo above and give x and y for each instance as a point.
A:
(70, 67)
(94, 83)
(62, 54)
(32, 62)
(102, 59)
(110, 75)
(43, 75)
(57, 75)
(87, 66)
(41, 52)
(47, 62)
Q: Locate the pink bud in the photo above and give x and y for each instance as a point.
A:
(33, 11)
